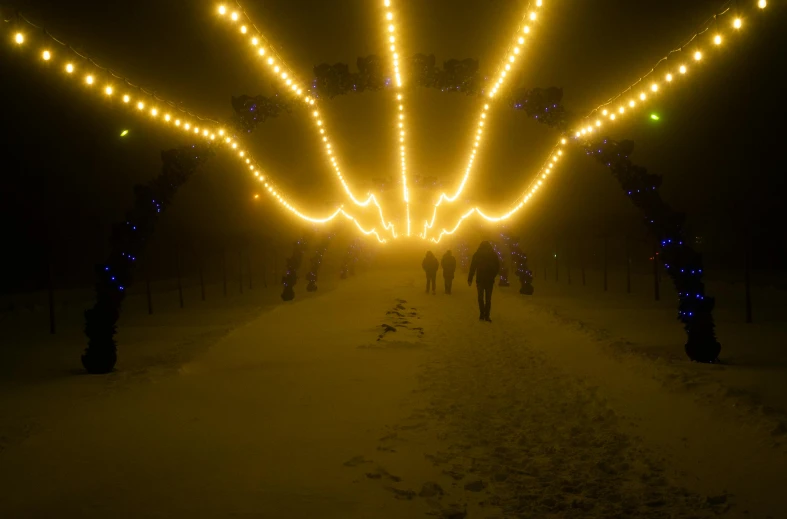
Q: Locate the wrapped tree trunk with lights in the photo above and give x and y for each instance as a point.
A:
(682, 263)
(294, 262)
(316, 261)
(127, 242)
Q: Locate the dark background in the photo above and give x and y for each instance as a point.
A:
(67, 175)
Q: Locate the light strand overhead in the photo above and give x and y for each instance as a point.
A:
(287, 78)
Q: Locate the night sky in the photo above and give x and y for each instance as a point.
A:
(67, 175)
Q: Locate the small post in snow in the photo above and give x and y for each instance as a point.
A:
(240, 269)
(605, 263)
(224, 268)
(546, 262)
(628, 266)
(248, 263)
(201, 276)
(177, 271)
(656, 288)
(747, 278)
(51, 290)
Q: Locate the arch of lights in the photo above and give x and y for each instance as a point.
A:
(108, 85)
(715, 32)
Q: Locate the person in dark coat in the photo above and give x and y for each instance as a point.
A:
(430, 266)
(485, 267)
(449, 267)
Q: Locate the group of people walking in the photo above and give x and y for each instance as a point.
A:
(485, 267)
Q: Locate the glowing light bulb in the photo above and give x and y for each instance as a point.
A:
(738, 23)
(605, 112)
(108, 90)
(389, 16)
(19, 38)
(89, 80)
(762, 4)
(154, 112)
(276, 69)
(177, 122)
(243, 29)
(167, 117)
(261, 51)
(521, 41)
(717, 39)
(526, 29)
(612, 116)
(126, 99)
(255, 41)
(631, 104)
(140, 105)
(69, 68)
(654, 87)
(533, 16)
(234, 17)
(669, 77)
(642, 97)
(621, 110)
(682, 69)
(222, 10)
(697, 56)
(46, 55)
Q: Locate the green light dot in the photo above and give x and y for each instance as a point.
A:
(655, 117)
(124, 133)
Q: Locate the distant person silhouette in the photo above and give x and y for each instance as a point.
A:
(449, 267)
(430, 266)
(485, 266)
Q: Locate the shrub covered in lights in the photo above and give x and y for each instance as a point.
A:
(351, 258)
(316, 261)
(519, 260)
(294, 262)
(126, 244)
(463, 255)
(504, 268)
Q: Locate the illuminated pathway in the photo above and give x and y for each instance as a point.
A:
(526, 416)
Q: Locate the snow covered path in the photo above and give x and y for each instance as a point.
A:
(303, 412)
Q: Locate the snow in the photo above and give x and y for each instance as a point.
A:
(571, 403)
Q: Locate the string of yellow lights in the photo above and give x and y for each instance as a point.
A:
(717, 38)
(524, 199)
(398, 88)
(511, 56)
(146, 104)
(279, 68)
(644, 89)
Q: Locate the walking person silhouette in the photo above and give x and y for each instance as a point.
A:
(430, 266)
(485, 267)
